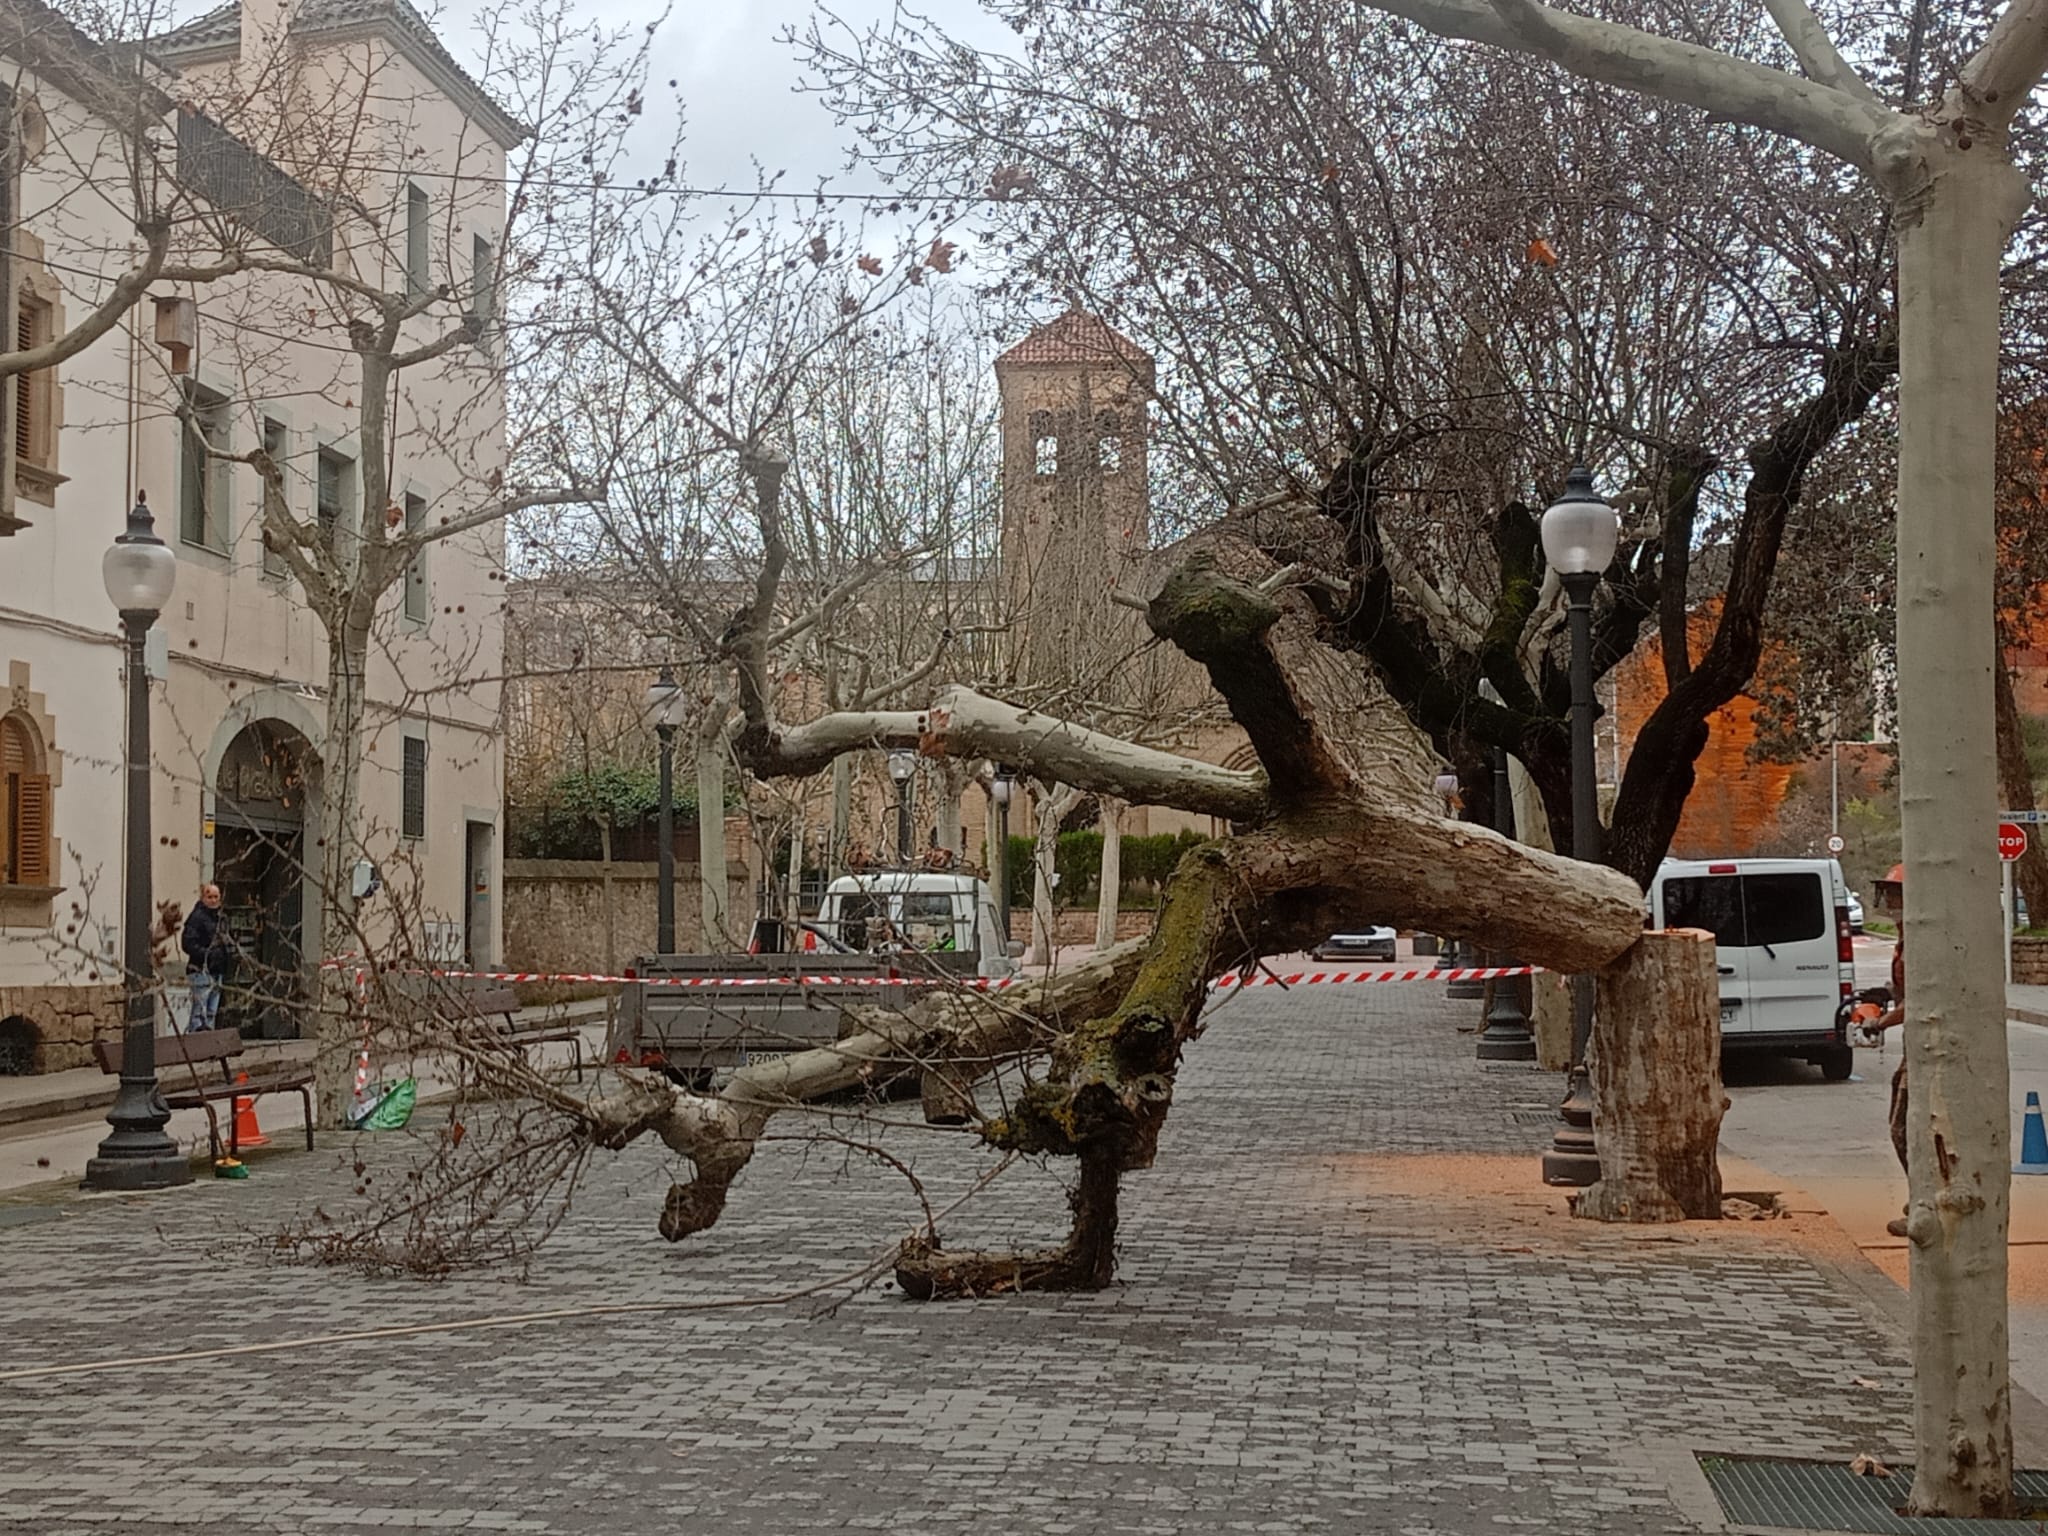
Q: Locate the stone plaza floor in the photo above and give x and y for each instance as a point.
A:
(1345, 1303)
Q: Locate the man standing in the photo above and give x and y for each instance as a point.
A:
(1891, 895)
(208, 954)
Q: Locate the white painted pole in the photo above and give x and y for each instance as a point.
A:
(2005, 904)
(1834, 789)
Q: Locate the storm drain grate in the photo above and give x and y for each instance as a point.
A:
(1826, 1496)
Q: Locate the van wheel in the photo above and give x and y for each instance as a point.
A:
(1837, 1064)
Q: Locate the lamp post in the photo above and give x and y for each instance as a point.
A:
(664, 704)
(138, 1153)
(1000, 788)
(1507, 1036)
(902, 765)
(1580, 532)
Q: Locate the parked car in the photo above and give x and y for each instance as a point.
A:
(1370, 943)
(1781, 937)
(1855, 913)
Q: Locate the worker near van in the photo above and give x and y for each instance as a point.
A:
(1891, 895)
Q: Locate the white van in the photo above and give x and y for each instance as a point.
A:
(1781, 932)
(912, 910)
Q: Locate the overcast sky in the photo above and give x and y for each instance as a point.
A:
(739, 81)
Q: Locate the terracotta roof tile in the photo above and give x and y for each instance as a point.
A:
(1075, 337)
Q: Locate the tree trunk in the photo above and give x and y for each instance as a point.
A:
(842, 816)
(2016, 789)
(1655, 1060)
(1550, 994)
(953, 780)
(714, 920)
(1110, 887)
(1950, 244)
(1053, 803)
(341, 845)
(611, 925)
(792, 898)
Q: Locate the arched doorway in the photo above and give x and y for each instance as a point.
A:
(260, 839)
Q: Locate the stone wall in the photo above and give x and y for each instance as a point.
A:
(555, 912)
(1077, 925)
(65, 1020)
(2030, 962)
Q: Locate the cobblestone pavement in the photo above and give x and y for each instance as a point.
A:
(1316, 1330)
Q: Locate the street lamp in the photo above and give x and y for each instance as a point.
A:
(138, 1153)
(1000, 788)
(1580, 532)
(902, 765)
(664, 704)
(1507, 1036)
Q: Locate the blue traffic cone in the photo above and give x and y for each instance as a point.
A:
(2033, 1139)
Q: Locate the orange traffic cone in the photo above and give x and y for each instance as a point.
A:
(247, 1132)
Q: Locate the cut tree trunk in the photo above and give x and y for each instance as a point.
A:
(1655, 1061)
(1960, 1174)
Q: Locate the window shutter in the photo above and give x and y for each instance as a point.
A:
(24, 387)
(32, 825)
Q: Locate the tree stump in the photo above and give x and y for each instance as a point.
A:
(1656, 1069)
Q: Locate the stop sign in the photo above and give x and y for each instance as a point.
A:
(2012, 840)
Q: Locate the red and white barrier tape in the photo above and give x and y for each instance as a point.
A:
(975, 983)
(1332, 978)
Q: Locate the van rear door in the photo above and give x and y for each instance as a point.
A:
(1714, 902)
(1793, 984)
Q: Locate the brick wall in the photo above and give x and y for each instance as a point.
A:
(2030, 962)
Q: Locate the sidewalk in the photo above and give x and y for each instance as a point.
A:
(1345, 1302)
(51, 1123)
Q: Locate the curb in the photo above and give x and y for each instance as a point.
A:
(1886, 1305)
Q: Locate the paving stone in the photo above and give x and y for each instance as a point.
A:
(1293, 1345)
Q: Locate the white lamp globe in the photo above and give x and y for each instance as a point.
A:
(902, 765)
(138, 570)
(1580, 530)
(664, 699)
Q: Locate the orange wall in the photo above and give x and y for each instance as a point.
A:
(1734, 803)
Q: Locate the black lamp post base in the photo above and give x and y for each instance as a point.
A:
(161, 1168)
(1574, 1157)
(1506, 1045)
(1576, 1169)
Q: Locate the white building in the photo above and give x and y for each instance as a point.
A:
(385, 161)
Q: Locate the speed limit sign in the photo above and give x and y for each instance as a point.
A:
(1836, 845)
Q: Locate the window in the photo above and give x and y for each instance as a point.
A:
(335, 484)
(35, 441)
(483, 281)
(1748, 911)
(277, 443)
(417, 213)
(413, 807)
(1711, 902)
(1045, 444)
(1783, 909)
(1109, 443)
(203, 478)
(24, 807)
(416, 573)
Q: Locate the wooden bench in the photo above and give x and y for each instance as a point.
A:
(185, 1073)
